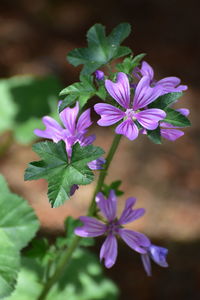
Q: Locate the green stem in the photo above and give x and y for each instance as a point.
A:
(70, 250)
(104, 172)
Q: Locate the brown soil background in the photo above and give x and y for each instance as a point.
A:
(35, 37)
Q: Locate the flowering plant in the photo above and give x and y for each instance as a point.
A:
(134, 103)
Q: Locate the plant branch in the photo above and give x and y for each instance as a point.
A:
(65, 258)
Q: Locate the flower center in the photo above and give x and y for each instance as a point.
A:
(113, 227)
(130, 114)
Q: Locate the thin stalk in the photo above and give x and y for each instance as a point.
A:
(61, 266)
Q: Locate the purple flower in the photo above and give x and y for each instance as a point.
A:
(144, 95)
(74, 131)
(167, 84)
(157, 254)
(169, 131)
(99, 74)
(113, 227)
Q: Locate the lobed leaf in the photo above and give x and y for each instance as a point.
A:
(59, 172)
(101, 49)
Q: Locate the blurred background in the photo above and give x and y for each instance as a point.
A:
(35, 37)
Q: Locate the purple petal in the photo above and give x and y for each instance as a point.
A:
(158, 254)
(91, 228)
(109, 114)
(144, 94)
(99, 74)
(73, 189)
(146, 263)
(68, 117)
(171, 134)
(109, 251)
(128, 128)
(107, 206)
(129, 215)
(149, 118)
(85, 141)
(169, 81)
(84, 121)
(120, 90)
(184, 111)
(135, 240)
(97, 164)
(53, 130)
(147, 70)
(171, 85)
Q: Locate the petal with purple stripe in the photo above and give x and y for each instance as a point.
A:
(147, 70)
(129, 214)
(91, 227)
(109, 114)
(144, 94)
(68, 117)
(146, 263)
(149, 118)
(108, 206)
(135, 240)
(108, 251)
(53, 130)
(128, 128)
(84, 121)
(119, 90)
(171, 134)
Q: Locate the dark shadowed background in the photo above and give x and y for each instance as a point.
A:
(35, 37)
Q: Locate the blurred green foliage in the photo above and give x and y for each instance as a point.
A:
(82, 280)
(24, 100)
(18, 225)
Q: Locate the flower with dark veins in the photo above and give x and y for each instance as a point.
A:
(130, 112)
(113, 227)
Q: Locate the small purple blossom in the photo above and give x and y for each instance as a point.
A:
(167, 84)
(157, 254)
(130, 112)
(74, 131)
(99, 74)
(113, 227)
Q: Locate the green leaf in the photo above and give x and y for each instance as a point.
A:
(129, 63)
(17, 218)
(113, 186)
(82, 280)
(101, 93)
(18, 225)
(80, 91)
(38, 248)
(101, 49)
(9, 265)
(164, 101)
(154, 135)
(60, 173)
(175, 118)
